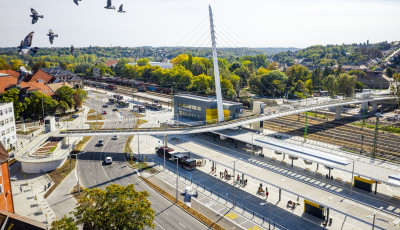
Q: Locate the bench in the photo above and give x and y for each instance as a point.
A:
(348, 183)
(394, 197)
(283, 162)
(318, 174)
(338, 179)
(307, 169)
(273, 158)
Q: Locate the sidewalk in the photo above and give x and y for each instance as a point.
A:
(60, 200)
(359, 216)
(30, 201)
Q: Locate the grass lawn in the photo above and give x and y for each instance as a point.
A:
(81, 144)
(95, 125)
(58, 175)
(95, 117)
(390, 129)
(127, 148)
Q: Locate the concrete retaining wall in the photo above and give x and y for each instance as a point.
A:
(38, 167)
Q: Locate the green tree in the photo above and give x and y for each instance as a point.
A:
(143, 62)
(38, 103)
(316, 77)
(4, 64)
(201, 82)
(40, 65)
(273, 82)
(359, 85)
(300, 87)
(395, 87)
(327, 71)
(12, 95)
(261, 61)
(65, 223)
(65, 93)
(63, 106)
(227, 89)
(15, 64)
(79, 97)
(296, 73)
(358, 73)
(389, 72)
(244, 74)
(330, 85)
(345, 84)
(116, 207)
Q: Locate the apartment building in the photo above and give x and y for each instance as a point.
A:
(8, 133)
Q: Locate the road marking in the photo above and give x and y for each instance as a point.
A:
(255, 228)
(166, 213)
(91, 173)
(94, 181)
(182, 225)
(159, 225)
(231, 215)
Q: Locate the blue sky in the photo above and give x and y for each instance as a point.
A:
(251, 23)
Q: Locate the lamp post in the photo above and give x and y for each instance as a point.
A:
(269, 213)
(233, 180)
(174, 158)
(373, 221)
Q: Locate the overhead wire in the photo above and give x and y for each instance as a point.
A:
(234, 33)
(192, 30)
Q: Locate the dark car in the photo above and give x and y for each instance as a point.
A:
(105, 106)
(115, 109)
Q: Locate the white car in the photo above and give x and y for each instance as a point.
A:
(115, 137)
(378, 115)
(108, 160)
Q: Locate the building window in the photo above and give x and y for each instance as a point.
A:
(1, 112)
(11, 119)
(1, 123)
(6, 121)
(10, 109)
(12, 129)
(8, 131)
(3, 133)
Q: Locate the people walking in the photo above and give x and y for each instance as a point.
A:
(266, 194)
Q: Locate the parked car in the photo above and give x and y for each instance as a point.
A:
(115, 137)
(75, 116)
(101, 142)
(108, 160)
(115, 109)
(378, 115)
(105, 106)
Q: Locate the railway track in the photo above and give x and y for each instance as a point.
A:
(340, 133)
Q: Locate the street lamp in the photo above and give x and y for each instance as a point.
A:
(373, 221)
(175, 158)
(269, 213)
(233, 179)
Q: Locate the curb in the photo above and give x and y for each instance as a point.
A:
(174, 203)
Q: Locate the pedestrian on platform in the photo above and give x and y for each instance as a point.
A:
(266, 194)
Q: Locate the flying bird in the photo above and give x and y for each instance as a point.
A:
(72, 49)
(35, 16)
(23, 73)
(109, 5)
(120, 9)
(76, 2)
(51, 36)
(25, 45)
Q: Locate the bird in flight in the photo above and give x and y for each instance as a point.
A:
(109, 5)
(35, 16)
(51, 36)
(120, 9)
(25, 45)
(76, 2)
(22, 74)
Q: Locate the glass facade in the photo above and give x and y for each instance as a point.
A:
(187, 106)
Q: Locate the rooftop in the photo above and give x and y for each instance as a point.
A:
(56, 86)
(11, 72)
(58, 72)
(41, 76)
(207, 99)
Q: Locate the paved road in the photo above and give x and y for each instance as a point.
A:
(94, 173)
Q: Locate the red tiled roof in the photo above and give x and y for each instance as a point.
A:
(40, 75)
(13, 73)
(110, 63)
(42, 87)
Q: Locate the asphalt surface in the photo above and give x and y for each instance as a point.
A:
(93, 172)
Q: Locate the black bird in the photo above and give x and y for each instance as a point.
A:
(25, 45)
(72, 49)
(51, 36)
(109, 5)
(76, 2)
(23, 73)
(35, 16)
(120, 9)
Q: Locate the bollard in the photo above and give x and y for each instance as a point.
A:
(211, 191)
(263, 219)
(204, 187)
(190, 181)
(253, 214)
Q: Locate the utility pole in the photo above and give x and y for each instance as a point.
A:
(305, 128)
(216, 69)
